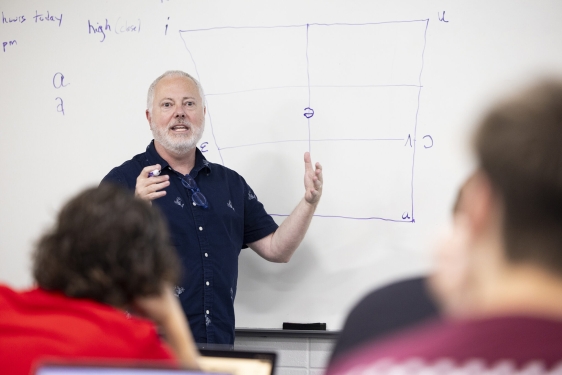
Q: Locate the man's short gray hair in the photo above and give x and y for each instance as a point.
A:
(171, 73)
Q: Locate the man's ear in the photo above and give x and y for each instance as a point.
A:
(148, 117)
(477, 202)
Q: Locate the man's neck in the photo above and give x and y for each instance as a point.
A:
(523, 289)
(181, 163)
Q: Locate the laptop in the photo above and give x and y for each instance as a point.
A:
(238, 362)
(232, 362)
(106, 369)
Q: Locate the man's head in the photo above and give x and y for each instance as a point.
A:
(107, 246)
(508, 219)
(519, 149)
(176, 112)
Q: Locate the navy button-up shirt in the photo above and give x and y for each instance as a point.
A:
(208, 240)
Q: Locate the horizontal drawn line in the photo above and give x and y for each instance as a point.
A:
(303, 25)
(354, 218)
(315, 140)
(263, 143)
(312, 86)
(366, 24)
(356, 139)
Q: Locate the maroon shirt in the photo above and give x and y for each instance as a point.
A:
(497, 345)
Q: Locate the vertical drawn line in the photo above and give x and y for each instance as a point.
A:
(308, 77)
(204, 99)
(417, 113)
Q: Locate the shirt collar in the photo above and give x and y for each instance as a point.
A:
(200, 163)
(200, 160)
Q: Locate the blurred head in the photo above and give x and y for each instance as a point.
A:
(509, 212)
(519, 150)
(176, 112)
(107, 246)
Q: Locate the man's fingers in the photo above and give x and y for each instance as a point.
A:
(150, 168)
(307, 162)
(317, 183)
(157, 186)
(318, 171)
(155, 195)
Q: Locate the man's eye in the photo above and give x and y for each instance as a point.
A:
(166, 104)
(190, 104)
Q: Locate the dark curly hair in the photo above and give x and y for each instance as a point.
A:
(107, 246)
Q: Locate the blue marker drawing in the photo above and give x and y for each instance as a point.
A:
(313, 97)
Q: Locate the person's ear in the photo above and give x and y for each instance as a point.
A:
(149, 117)
(477, 202)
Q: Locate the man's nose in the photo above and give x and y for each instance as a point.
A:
(180, 112)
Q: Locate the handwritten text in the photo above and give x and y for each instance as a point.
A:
(120, 26)
(8, 44)
(48, 17)
(18, 19)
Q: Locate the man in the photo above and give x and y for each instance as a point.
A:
(500, 275)
(212, 212)
(107, 259)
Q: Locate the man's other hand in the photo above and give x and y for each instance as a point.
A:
(313, 180)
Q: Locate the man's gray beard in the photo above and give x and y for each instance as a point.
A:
(178, 145)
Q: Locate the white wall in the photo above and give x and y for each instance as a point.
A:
(296, 356)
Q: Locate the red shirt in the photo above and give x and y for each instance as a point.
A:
(37, 325)
(503, 345)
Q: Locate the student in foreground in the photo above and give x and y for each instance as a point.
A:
(499, 275)
(106, 261)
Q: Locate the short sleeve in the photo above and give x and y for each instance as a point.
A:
(257, 223)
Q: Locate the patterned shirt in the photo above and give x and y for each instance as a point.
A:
(208, 240)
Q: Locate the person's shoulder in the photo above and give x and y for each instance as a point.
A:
(225, 172)
(221, 168)
(488, 340)
(6, 294)
(396, 348)
(127, 173)
(136, 162)
(10, 295)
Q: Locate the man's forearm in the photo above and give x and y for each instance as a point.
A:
(289, 235)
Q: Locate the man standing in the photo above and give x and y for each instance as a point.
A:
(212, 213)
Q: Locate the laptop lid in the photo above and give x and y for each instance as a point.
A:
(238, 362)
(111, 369)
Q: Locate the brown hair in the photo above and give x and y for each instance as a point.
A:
(107, 246)
(519, 147)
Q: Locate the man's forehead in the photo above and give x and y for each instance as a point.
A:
(170, 83)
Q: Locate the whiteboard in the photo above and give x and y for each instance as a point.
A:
(383, 93)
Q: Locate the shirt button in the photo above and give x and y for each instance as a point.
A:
(207, 283)
(194, 204)
(207, 312)
(200, 228)
(206, 255)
